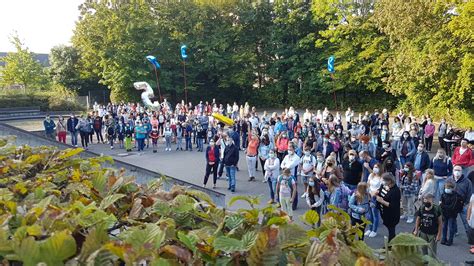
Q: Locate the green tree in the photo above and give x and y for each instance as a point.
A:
(21, 68)
(64, 69)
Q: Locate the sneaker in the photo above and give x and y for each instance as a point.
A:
(367, 233)
(372, 234)
(304, 195)
(111, 147)
(403, 217)
(443, 242)
(410, 220)
(264, 181)
(270, 202)
(214, 186)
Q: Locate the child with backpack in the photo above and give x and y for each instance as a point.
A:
(128, 136)
(409, 184)
(337, 194)
(359, 205)
(286, 189)
(429, 224)
(451, 204)
(154, 135)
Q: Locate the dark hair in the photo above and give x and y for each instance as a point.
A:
(315, 190)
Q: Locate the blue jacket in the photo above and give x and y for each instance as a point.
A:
(358, 210)
(216, 153)
(49, 126)
(424, 161)
(329, 149)
(71, 124)
(411, 149)
(442, 167)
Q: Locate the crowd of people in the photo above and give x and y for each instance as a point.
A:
(371, 166)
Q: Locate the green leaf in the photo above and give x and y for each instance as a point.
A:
(228, 244)
(109, 200)
(252, 201)
(59, 247)
(311, 217)
(151, 234)
(188, 240)
(248, 240)
(407, 239)
(70, 152)
(277, 221)
(234, 221)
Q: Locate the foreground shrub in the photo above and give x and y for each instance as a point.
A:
(57, 208)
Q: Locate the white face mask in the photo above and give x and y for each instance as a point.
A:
(457, 174)
(351, 157)
(385, 146)
(291, 152)
(307, 152)
(376, 170)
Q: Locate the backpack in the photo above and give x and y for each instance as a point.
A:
(280, 178)
(110, 131)
(345, 195)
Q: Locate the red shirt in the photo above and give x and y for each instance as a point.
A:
(210, 155)
(464, 159)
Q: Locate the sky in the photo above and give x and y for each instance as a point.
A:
(40, 24)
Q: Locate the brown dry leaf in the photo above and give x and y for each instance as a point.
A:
(180, 253)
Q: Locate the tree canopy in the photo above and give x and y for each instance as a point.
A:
(410, 54)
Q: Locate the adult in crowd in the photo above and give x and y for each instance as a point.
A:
(98, 123)
(469, 135)
(352, 170)
(388, 158)
(429, 225)
(251, 155)
(49, 127)
(72, 123)
(421, 159)
(272, 172)
(429, 133)
(315, 196)
(463, 156)
(282, 145)
(374, 182)
(409, 184)
(443, 168)
(212, 161)
(307, 166)
(325, 147)
(61, 129)
(368, 163)
(442, 131)
(230, 160)
(451, 204)
(406, 148)
(388, 199)
(359, 206)
(85, 128)
(463, 187)
(263, 151)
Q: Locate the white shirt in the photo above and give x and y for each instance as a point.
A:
(272, 168)
(469, 135)
(308, 162)
(374, 183)
(290, 162)
(307, 116)
(471, 219)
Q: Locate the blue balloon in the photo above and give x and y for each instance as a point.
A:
(331, 64)
(153, 61)
(183, 52)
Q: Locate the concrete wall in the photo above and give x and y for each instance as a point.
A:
(142, 175)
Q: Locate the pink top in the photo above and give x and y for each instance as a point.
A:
(429, 130)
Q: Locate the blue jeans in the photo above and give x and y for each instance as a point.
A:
(463, 215)
(188, 144)
(439, 188)
(374, 217)
(244, 140)
(73, 138)
(200, 144)
(272, 186)
(141, 144)
(230, 171)
(449, 224)
(403, 160)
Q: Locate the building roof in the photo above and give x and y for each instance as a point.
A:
(42, 58)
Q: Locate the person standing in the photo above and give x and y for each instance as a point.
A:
(129, 129)
(406, 148)
(443, 168)
(429, 133)
(315, 196)
(464, 189)
(188, 134)
(121, 133)
(72, 123)
(212, 161)
(409, 184)
(98, 128)
(167, 132)
(307, 166)
(388, 198)
(374, 183)
(462, 156)
(429, 224)
(179, 136)
(231, 159)
(154, 135)
(84, 128)
(263, 152)
(61, 130)
(451, 204)
(442, 131)
(421, 159)
(111, 134)
(352, 170)
(251, 155)
(49, 127)
(272, 172)
(140, 134)
(286, 190)
(359, 206)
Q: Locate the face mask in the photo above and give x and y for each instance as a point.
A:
(326, 140)
(320, 132)
(385, 146)
(339, 131)
(310, 135)
(351, 157)
(291, 152)
(271, 155)
(420, 150)
(333, 138)
(353, 139)
(284, 135)
(311, 184)
(320, 159)
(448, 190)
(427, 205)
(376, 170)
(405, 135)
(457, 173)
(384, 183)
(406, 169)
(212, 143)
(307, 152)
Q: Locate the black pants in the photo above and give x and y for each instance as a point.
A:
(221, 169)
(208, 172)
(391, 232)
(98, 133)
(354, 222)
(441, 142)
(84, 138)
(262, 163)
(281, 155)
(428, 143)
(91, 136)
